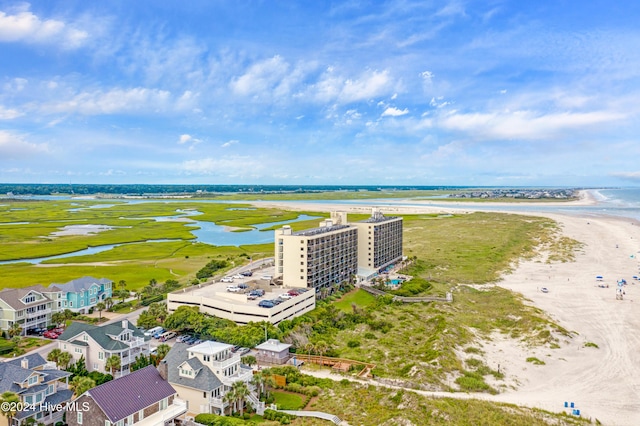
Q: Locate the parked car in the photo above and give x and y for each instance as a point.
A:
(258, 291)
(237, 277)
(243, 351)
(189, 340)
(266, 304)
(159, 333)
(266, 277)
(153, 331)
(226, 280)
(50, 335)
(293, 292)
(246, 273)
(285, 296)
(167, 336)
(58, 330)
(243, 285)
(234, 289)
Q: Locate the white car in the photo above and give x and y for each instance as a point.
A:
(234, 289)
(226, 280)
(237, 277)
(286, 296)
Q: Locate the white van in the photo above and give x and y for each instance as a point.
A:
(152, 331)
(167, 336)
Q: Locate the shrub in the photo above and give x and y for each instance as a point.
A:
(535, 361)
(369, 335)
(152, 299)
(591, 345)
(353, 343)
(215, 420)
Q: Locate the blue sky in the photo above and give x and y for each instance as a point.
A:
(402, 92)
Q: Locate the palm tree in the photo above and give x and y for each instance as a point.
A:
(64, 359)
(258, 380)
(113, 363)
(9, 405)
(241, 391)
(249, 360)
(122, 284)
(230, 398)
(57, 318)
(162, 351)
(108, 302)
(54, 356)
(15, 330)
(81, 384)
(321, 347)
(309, 347)
(269, 382)
(100, 306)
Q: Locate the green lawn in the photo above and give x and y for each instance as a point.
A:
(358, 297)
(288, 401)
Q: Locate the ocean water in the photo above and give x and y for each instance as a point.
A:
(623, 202)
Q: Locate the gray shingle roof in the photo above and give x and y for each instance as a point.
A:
(205, 380)
(83, 283)
(127, 395)
(34, 359)
(12, 296)
(60, 397)
(101, 334)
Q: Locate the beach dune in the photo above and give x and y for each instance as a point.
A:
(596, 369)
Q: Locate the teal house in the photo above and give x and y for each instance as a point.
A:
(84, 293)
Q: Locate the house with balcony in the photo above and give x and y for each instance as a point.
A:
(204, 373)
(30, 307)
(82, 294)
(97, 343)
(142, 398)
(39, 385)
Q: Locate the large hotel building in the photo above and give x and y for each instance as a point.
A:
(337, 250)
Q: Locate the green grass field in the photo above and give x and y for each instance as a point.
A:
(360, 298)
(288, 401)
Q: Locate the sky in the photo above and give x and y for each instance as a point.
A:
(398, 92)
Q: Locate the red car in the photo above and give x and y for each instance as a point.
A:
(50, 334)
(58, 330)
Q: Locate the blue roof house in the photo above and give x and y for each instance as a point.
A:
(84, 293)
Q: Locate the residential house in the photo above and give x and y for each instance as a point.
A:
(39, 385)
(273, 352)
(97, 343)
(142, 398)
(82, 294)
(203, 374)
(30, 307)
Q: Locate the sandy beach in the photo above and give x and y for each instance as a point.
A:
(601, 381)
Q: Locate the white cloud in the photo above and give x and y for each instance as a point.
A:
(15, 85)
(632, 176)
(427, 76)
(24, 26)
(229, 143)
(368, 85)
(230, 165)
(184, 139)
(15, 146)
(524, 124)
(261, 76)
(114, 101)
(394, 112)
(9, 114)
